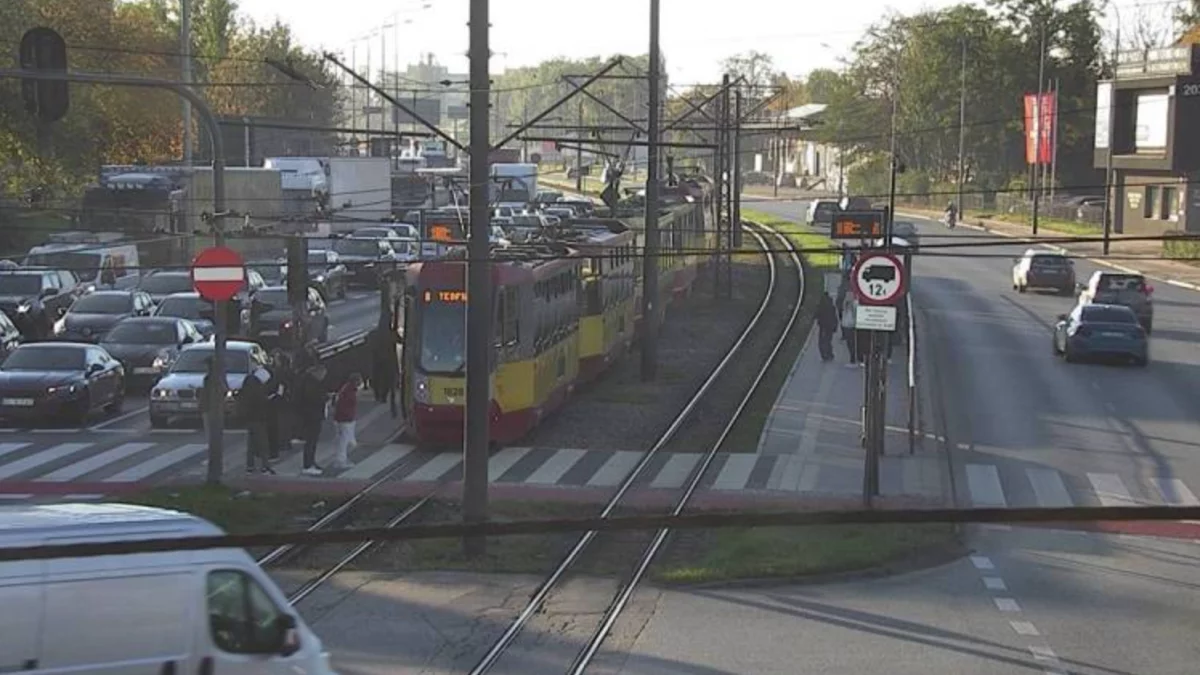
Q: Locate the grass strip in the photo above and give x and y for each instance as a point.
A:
(792, 552)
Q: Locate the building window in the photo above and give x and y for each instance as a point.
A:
(1150, 202)
(1169, 200)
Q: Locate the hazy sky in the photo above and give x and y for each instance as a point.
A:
(696, 34)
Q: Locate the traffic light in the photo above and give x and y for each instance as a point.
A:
(44, 49)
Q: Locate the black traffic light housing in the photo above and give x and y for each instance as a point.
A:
(44, 49)
(297, 270)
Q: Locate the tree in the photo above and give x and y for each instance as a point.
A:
(755, 68)
(1187, 16)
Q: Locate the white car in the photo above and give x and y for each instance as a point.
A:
(820, 211)
(177, 394)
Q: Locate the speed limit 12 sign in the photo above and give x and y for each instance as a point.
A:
(878, 279)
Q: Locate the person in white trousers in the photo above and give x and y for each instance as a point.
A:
(345, 412)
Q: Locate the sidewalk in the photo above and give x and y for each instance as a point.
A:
(815, 428)
(1135, 257)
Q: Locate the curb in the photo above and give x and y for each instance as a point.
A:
(1059, 249)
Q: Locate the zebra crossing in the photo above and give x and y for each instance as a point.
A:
(1011, 485)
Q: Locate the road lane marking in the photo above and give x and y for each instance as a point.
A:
(1006, 605)
(504, 460)
(118, 418)
(982, 562)
(983, 482)
(9, 448)
(164, 461)
(76, 469)
(379, 460)
(994, 584)
(51, 454)
(1024, 628)
(1049, 488)
(555, 467)
(1110, 490)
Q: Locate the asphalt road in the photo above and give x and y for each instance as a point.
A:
(1026, 430)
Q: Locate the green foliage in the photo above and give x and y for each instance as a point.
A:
(915, 64)
(1181, 245)
(109, 124)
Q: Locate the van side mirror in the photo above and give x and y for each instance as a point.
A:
(282, 639)
(1062, 317)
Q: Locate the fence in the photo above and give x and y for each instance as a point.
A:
(1017, 207)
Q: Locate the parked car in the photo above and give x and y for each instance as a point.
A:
(146, 346)
(92, 315)
(59, 380)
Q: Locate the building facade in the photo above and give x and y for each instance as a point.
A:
(1148, 140)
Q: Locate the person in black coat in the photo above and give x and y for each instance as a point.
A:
(312, 392)
(252, 401)
(827, 325)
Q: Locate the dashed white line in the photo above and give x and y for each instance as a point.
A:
(1043, 653)
(1024, 628)
(982, 562)
(994, 584)
(1006, 605)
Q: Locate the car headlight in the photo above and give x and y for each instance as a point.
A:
(231, 393)
(60, 326)
(320, 278)
(287, 324)
(161, 393)
(161, 361)
(24, 308)
(62, 390)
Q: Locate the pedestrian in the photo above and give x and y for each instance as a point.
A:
(252, 403)
(385, 365)
(207, 397)
(279, 393)
(849, 334)
(827, 325)
(345, 411)
(310, 407)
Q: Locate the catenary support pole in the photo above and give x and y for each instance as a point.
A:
(962, 127)
(479, 292)
(727, 181)
(579, 154)
(737, 170)
(650, 262)
(1112, 192)
(1037, 129)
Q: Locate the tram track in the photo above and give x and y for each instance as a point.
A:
(572, 560)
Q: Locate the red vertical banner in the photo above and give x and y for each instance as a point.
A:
(1039, 127)
(1031, 120)
(1046, 130)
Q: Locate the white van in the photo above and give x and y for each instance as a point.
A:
(212, 611)
(86, 260)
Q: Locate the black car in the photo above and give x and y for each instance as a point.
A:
(53, 380)
(160, 284)
(270, 320)
(271, 271)
(93, 314)
(326, 273)
(194, 308)
(146, 346)
(10, 337)
(365, 259)
(34, 298)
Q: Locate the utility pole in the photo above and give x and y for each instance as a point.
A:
(962, 127)
(1037, 128)
(719, 193)
(650, 262)
(579, 154)
(727, 181)
(1111, 192)
(1054, 142)
(479, 292)
(185, 56)
(737, 175)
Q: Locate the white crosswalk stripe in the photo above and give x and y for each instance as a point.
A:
(41, 458)
(1049, 488)
(736, 472)
(83, 467)
(168, 459)
(1111, 490)
(983, 482)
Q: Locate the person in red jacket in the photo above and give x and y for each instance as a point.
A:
(345, 412)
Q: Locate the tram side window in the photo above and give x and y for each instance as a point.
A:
(510, 318)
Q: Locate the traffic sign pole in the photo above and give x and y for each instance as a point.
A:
(218, 274)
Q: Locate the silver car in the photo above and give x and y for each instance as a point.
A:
(177, 395)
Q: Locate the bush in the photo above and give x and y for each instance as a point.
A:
(1178, 244)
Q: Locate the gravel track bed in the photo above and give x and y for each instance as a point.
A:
(619, 411)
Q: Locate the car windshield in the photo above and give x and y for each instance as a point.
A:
(195, 361)
(268, 269)
(274, 297)
(317, 260)
(359, 247)
(143, 333)
(45, 358)
(184, 308)
(84, 265)
(1048, 261)
(166, 283)
(20, 284)
(442, 334)
(103, 303)
(1108, 315)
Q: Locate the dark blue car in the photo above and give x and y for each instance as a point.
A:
(1101, 331)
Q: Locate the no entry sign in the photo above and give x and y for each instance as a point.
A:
(218, 273)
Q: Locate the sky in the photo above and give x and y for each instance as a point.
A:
(800, 35)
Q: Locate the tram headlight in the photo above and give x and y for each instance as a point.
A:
(421, 389)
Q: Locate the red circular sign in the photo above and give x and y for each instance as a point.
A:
(218, 273)
(878, 278)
